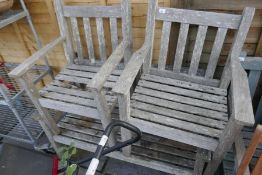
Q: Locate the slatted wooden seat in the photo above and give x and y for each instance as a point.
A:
(152, 152)
(205, 111)
(199, 110)
(82, 87)
(65, 94)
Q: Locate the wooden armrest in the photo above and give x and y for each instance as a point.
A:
(131, 70)
(108, 67)
(29, 62)
(241, 100)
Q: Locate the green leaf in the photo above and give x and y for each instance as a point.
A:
(65, 157)
(71, 169)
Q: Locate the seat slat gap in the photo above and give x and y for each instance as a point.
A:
(164, 45)
(181, 44)
(101, 38)
(199, 43)
(215, 53)
(89, 40)
(77, 40)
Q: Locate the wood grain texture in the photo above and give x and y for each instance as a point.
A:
(199, 43)
(101, 38)
(77, 40)
(181, 44)
(164, 45)
(198, 17)
(89, 39)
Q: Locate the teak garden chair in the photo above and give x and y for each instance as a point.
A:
(202, 111)
(82, 87)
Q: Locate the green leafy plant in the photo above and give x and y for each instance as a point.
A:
(67, 153)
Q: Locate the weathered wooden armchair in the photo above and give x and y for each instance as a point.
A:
(82, 87)
(202, 111)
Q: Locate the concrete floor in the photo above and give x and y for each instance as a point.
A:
(17, 160)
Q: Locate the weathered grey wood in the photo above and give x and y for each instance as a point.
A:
(181, 107)
(77, 40)
(113, 30)
(198, 17)
(149, 38)
(185, 77)
(181, 44)
(127, 28)
(88, 75)
(175, 123)
(89, 40)
(238, 43)
(185, 84)
(253, 79)
(88, 68)
(68, 49)
(94, 11)
(175, 134)
(185, 99)
(128, 76)
(199, 43)
(69, 107)
(225, 142)
(202, 157)
(184, 92)
(173, 113)
(101, 38)
(124, 115)
(215, 53)
(104, 112)
(164, 45)
(108, 67)
(46, 121)
(29, 62)
(239, 85)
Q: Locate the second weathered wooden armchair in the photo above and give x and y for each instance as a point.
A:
(186, 106)
(82, 87)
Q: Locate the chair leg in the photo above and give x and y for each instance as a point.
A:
(202, 157)
(45, 120)
(124, 110)
(226, 140)
(104, 113)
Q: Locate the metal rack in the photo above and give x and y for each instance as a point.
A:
(18, 117)
(17, 113)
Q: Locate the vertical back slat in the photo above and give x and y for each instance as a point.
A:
(127, 28)
(101, 38)
(64, 31)
(181, 44)
(164, 45)
(89, 40)
(113, 30)
(215, 53)
(76, 37)
(201, 34)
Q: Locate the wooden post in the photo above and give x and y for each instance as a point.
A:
(233, 128)
(104, 112)
(202, 157)
(238, 43)
(127, 28)
(46, 121)
(124, 111)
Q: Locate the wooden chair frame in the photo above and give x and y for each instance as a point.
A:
(233, 75)
(76, 58)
